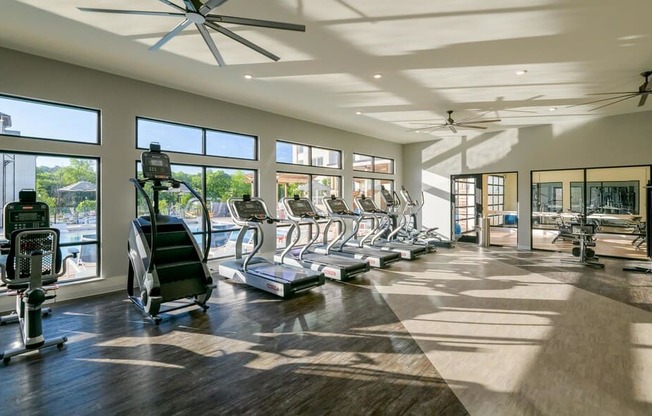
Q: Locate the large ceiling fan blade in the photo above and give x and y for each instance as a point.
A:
(612, 93)
(604, 99)
(615, 102)
(428, 129)
(138, 12)
(178, 28)
(255, 22)
(469, 126)
(210, 43)
(189, 6)
(210, 5)
(452, 128)
(478, 121)
(242, 40)
(641, 102)
(169, 3)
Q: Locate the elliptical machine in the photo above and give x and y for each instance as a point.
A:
(165, 260)
(32, 268)
(411, 209)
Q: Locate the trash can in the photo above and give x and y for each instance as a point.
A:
(484, 232)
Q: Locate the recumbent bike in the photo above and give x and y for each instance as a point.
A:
(32, 268)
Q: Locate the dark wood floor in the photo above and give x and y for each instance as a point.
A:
(338, 349)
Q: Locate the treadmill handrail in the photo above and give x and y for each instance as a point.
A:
(309, 219)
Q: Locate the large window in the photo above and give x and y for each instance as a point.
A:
(315, 187)
(218, 184)
(370, 188)
(181, 138)
(42, 120)
(366, 163)
(69, 187)
(298, 154)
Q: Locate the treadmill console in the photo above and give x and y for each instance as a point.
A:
(156, 165)
(300, 208)
(367, 205)
(247, 210)
(337, 206)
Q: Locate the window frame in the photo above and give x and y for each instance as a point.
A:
(373, 164)
(98, 130)
(98, 215)
(310, 158)
(204, 130)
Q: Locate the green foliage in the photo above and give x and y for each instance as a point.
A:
(86, 205)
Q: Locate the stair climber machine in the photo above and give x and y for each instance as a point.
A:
(403, 229)
(411, 209)
(383, 235)
(165, 261)
(338, 212)
(33, 266)
(302, 212)
(280, 279)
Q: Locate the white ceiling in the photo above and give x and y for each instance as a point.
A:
(434, 56)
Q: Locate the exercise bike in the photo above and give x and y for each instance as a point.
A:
(32, 268)
(165, 261)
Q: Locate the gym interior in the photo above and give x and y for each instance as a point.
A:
(507, 317)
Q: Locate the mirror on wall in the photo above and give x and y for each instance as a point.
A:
(612, 199)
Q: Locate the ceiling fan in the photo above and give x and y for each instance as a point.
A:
(643, 92)
(452, 124)
(199, 13)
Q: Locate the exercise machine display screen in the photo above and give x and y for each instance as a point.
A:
(367, 205)
(156, 165)
(387, 196)
(22, 216)
(250, 209)
(337, 205)
(300, 208)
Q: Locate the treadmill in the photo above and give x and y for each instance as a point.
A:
(302, 211)
(281, 280)
(338, 211)
(384, 227)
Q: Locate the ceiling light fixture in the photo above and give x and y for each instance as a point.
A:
(248, 76)
(378, 76)
(358, 112)
(521, 72)
(552, 109)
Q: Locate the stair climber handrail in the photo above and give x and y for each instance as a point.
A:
(152, 221)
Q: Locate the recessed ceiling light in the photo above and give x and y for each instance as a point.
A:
(248, 76)
(378, 76)
(521, 72)
(552, 109)
(358, 112)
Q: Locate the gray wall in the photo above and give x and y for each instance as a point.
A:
(621, 140)
(121, 100)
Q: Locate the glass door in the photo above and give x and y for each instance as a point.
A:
(467, 208)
